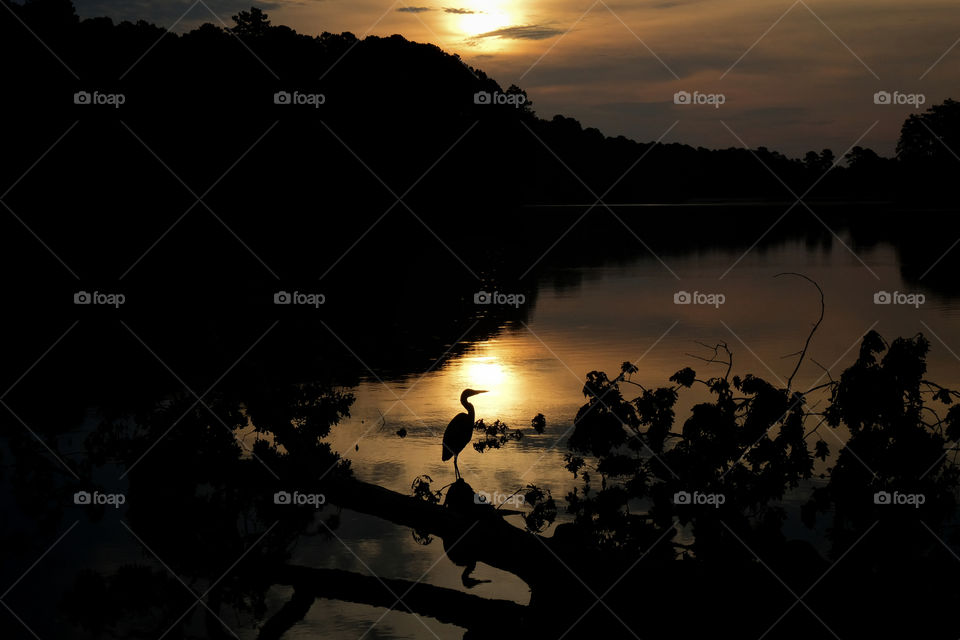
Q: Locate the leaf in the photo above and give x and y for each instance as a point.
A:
(574, 463)
(495, 435)
(539, 423)
(685, 377)
(422, 491)
(943, 395)
(596, 384)
(544, 509)
(821, 450)
(872, 343)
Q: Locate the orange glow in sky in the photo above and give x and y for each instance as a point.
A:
(795, 76)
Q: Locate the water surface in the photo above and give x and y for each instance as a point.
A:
(617, 313)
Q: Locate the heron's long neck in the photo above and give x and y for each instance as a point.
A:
(469, 408)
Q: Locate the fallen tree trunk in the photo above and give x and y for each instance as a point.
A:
(557, 570)
(445, 605)
(471, 533)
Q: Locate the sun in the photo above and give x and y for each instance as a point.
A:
(477, 17)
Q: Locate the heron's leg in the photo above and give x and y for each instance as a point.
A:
(456, 469)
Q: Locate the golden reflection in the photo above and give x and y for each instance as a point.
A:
(488, 368)
(484, 372)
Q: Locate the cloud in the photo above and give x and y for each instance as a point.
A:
(459, 12)
(413, 9)
(524, 32)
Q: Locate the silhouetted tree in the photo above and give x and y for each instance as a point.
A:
(251, 24)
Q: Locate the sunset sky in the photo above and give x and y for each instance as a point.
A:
(795, 74)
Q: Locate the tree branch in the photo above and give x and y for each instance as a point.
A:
(445, 605)
(480, 534)
(816, 326)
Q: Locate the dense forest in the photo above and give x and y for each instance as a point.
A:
(296, 145)
(386, 99)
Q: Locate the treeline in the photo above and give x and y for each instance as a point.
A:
(228, 157)
(200, 99)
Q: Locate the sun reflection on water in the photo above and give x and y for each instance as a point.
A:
(484, 371)
(487, 369)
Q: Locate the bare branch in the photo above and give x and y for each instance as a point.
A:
(825, 370)
(815, 326)
(715, 359)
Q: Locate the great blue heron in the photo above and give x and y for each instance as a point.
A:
(459, 431)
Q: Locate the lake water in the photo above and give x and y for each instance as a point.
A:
(582, 319)
(617, 313)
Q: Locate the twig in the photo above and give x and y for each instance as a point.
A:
(825, 370)
(930, 385)
(508, 498)
(814, 430)
(636, 384)
(815, 326)
(716, 355)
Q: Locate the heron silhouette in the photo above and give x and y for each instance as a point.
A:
(460, 430)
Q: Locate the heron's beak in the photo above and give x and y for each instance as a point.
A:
(476, 392)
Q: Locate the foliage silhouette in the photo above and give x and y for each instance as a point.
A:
(752, 443)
